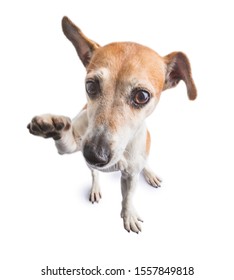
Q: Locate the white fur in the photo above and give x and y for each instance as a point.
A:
(110, 131)
(129, 158)
(130, 162)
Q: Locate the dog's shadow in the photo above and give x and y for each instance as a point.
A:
(109, 182)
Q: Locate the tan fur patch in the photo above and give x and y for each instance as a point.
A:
(120, 68)
(129, 61)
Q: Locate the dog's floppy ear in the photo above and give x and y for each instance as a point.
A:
(84, 46)
(178, 68)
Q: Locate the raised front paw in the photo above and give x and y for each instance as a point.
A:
(131, 220)
(49, 126)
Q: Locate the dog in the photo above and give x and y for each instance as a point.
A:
(123, 85)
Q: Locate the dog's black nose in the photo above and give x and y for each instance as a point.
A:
(97, 155)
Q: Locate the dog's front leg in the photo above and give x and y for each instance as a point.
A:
(130, 218)
(95, 193)
(66, 133)
(60, 128)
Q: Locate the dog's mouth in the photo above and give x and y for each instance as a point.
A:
(101, 152)
(96, 165)
(103, 160)
(112, 165)
(115, 164)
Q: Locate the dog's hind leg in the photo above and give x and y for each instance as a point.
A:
(151, 178)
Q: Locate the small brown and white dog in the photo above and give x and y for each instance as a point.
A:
(123, 85)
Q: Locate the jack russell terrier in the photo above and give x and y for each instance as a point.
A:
(123, 85)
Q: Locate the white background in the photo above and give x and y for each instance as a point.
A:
(46, 218)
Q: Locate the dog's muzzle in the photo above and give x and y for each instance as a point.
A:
(97, 153)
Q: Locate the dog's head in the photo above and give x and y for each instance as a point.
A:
(123, 84)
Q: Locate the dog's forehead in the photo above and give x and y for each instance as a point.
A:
(125, 60)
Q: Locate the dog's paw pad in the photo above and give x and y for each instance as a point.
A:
(49, 126)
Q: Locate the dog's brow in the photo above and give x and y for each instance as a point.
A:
(143, 84)
(101, 73)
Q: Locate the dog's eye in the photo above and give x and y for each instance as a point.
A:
(92, 88)
(140, 97)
